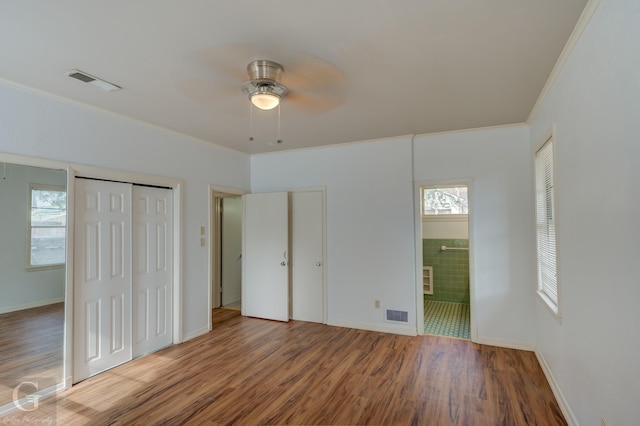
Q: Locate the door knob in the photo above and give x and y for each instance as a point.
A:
(318, 264)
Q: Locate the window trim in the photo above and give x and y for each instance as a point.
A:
(43, 187)
(548, 302)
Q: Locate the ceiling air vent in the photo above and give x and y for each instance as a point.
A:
(88, 78)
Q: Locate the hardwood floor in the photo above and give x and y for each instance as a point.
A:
(249, 371)
(30, 347)
(222, 315)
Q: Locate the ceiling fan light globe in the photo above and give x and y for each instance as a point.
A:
(265, 101)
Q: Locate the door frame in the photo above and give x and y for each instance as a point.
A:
(216, 192)
(418, 261)
(67, 347)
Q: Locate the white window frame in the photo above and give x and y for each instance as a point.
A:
(542, 194)
(40, 187)
(441, 217)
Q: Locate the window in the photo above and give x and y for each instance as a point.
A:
(449, 202)
(47, 226)
(546, 226)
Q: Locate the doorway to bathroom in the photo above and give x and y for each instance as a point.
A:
(446, 295)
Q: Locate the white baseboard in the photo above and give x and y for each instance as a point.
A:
(393, 329)
(562, 402)
(511, 344)
(195, 333)
(37, 304)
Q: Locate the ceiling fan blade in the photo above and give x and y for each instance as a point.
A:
(209, 95)
(310, 72)
(315, 84)
(226, 63)
(315, 103)
(204, 91)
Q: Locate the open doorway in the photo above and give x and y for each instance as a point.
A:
(33, 207)
(226, 250)
(445, 260)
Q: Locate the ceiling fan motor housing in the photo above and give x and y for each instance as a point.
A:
(264, 79)
(263, 70)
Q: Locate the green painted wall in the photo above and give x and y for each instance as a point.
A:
(450, 269)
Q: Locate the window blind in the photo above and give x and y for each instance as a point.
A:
(546, 224)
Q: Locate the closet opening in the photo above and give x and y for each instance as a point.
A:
(123, 294)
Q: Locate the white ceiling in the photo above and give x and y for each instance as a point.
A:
(358, 69)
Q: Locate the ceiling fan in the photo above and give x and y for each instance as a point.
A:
(264, 88)
(311, 85)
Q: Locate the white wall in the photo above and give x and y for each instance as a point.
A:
(595, 104)
(21, 288)
(498, 161)
(370, 231)
(370, 188)
(445, 229)
(41, 126)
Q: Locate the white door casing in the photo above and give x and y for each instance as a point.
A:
(265, 276)
(152, 269)
(102, 277)
(307, 234)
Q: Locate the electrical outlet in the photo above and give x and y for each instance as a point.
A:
(377, 304)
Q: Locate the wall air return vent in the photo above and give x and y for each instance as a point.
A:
(397, 316)
(88, 78)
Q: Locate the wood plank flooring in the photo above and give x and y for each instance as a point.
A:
(222, 315)
(30, 347)
(250, 371)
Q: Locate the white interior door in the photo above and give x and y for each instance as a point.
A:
(152, 269)
(102, 277)
(307, 224)
(231, 250)
(265, 275)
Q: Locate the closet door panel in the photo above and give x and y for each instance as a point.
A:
(153, 274)
(307, 263)
(102, 285)
(265, 278)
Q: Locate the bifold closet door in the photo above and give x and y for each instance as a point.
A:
(102, 277)
(152, 269)
(307, 223)
(123, 274)
(265, 278)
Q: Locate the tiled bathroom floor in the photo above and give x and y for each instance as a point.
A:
(447, 319)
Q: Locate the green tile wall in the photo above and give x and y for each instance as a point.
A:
(450, 270)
